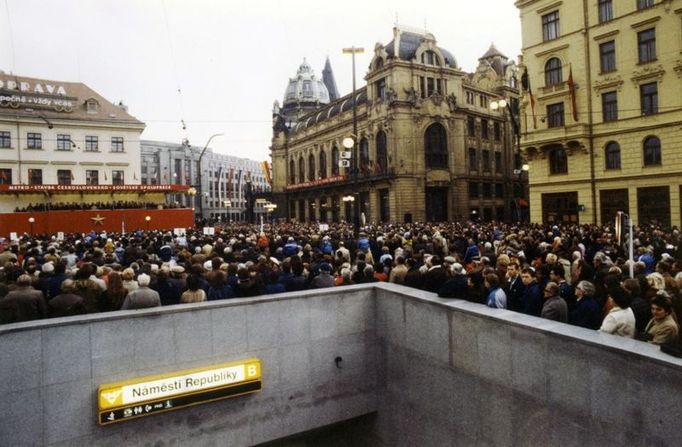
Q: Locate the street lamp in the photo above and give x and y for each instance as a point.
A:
(31, 220)
(270, 207)
(351, 143)
(201, 156)
(148, 218)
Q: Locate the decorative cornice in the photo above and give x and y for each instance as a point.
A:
(606, 35)
(646, 22)
(608, 82)
(551, 50)
(647, 72)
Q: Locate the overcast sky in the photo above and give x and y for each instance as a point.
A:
(230, 59)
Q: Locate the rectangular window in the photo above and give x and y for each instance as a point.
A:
(609, 104)
(648, 94)
(471, 126)
(91, 143)
(473, 163)
(117, 177)
(555, 115)
(499, 190)
(605, 10)
(607, 56)
(643, 4)
(473, 190)
(487, 191)
(550, 26)
(5, 176)
(485, 156)
(34, 140)
(646, 45)
(5, 140)
(116, 144)
(380, 86)
(422, 86)
(92, 177)
(483, 101)
(64, 176)
(63, 142)
(484, 129)
(498, 162)
(497, 131)
(35, 176)
(439, 86)
(430, 86)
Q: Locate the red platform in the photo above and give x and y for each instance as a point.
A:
(82, 221)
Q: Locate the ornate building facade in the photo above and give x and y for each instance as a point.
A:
(601, 109)
(428, 144)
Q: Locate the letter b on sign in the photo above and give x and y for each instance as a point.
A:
(251, 371)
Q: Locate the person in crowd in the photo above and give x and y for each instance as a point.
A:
(620, 320)
(142, 297)
(24, 303)
(514, 286)
(456, 286)
(219, 289)
(324, 278)
(662, 329)
(85, 287)
(66, 303)
(531, 301)
(129, 282)
(587, 311)
(167, 287)
(554, 306)
(194, 292)
(496, 296)
(115, 293)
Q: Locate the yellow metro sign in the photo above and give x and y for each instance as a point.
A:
(144, 396)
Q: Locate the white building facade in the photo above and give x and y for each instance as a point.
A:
(63, 133)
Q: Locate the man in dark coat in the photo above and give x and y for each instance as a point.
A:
(514, 288)
(29, 303)
(455, 287)
(531, 303)
(436, 276)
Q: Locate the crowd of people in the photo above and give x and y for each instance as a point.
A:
(69, 206)
(576, 274)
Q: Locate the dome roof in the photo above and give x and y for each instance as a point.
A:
(410, 42)
(305, 88)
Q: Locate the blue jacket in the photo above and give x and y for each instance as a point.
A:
(532, 300)
(587, 313)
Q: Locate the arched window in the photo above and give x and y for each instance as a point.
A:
(558, 162)
(364, 155)
(311, 167)
(335, 161)
(430, 58)
(553, 74)
(323, 164)
(382, 153)
(612, 155)
(652, 151)
(436, 146)
(301, 170)
(292, 171)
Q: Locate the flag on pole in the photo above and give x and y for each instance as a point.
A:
(265, 166)
(525, 83)
(571, 91)
(229, 181)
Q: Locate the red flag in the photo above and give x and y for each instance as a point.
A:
(229, 182)
(571, 91)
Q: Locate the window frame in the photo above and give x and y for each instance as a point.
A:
(651, 153)
(607, 56)
(646, 46)
(558, 161)
(556, 115)
(436, 147)
(605, 10)
(644, 4)
(5, 176)
(34, 140)
(63, 142)
(551, 26)
(553, 72)
(118, 173)
(612, 154)
(117, 144)
(609, 105)
(64, 176)
(35, 176)
(5, 139)
(92, 177)
(91, 143)
(648, 100)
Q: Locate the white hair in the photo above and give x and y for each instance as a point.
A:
(143, 280)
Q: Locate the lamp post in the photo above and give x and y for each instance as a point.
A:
(200, 186)
(351, 142)
(147, 219)
(31, 220)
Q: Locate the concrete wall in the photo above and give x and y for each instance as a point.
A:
(49, 371)
(463, 374)
(437, 372)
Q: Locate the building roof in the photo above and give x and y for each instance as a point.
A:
(409, 42)
(341, 105)
(27, 97)
(329, 81)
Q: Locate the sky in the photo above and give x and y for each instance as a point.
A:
(219, 65)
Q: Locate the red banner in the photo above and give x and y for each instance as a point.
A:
(319, 182)
(92, 188)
